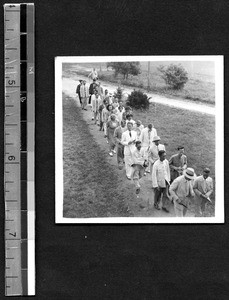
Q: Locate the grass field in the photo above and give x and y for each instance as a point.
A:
(194, 131)
(92, 187)
(199, 88)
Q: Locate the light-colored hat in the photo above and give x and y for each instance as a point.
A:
(189, 173)
(156, 138)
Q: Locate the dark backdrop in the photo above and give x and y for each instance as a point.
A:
(120, 261)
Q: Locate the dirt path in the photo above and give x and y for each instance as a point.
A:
(141, 205)
(69, 86)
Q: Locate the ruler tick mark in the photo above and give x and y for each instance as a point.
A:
(12, 86)
(11, 200)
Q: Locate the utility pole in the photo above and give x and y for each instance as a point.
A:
(148, 87)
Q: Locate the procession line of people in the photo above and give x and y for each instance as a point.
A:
(139, 151)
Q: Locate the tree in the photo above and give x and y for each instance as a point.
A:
(125, 68)
(138, 100)
(174, 75)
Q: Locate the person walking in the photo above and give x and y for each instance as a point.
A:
(92, 89)
(101, 108)
(100, 90)
(93, 74)
(146, 137)
(161, 180)
(95, 102)
(203, 188)
(106, 112)
(180, 191)
(139, 162)
(128, 140)
(178, 163)
(112, 124)
(153, 151)
(78, 92)
(84, 93)
(129, 118)
(139, 125)
(119, 146)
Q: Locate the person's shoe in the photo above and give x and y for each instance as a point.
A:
(128, 178)
(114, 151)
(145, 174)
(92, 118)
(156, 206)
(137, 190)
(165, 209)
(107, 142)
(111, 154)
(148, 171)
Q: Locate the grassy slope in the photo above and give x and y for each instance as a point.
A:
(92, 187)
(196, 132)
(104, 194)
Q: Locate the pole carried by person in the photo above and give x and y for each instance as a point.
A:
(203, 188)
(181, 191)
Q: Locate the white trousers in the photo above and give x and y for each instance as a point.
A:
(128, 163)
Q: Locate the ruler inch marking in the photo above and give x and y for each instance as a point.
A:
(18, 162)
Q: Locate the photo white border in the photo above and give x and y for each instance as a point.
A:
(219, 141)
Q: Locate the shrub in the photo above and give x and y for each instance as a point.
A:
(174, 75)
(138, 100)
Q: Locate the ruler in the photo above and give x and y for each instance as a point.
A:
(19, 144)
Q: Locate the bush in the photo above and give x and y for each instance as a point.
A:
(174, 75)
(138, 100)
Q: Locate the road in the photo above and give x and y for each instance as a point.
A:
(69, 87)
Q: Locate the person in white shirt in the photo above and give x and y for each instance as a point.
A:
(84, 94)
(139, 125)
(153, 151)
(129, 118)
(128, 140)
(160, 180)
(139, 160)
(181, 190)
(95, 102)
(203, 188)
(93, 74)
(146, 137)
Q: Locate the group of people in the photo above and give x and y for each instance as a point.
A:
(139, 150)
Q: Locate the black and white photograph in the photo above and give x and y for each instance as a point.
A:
(139, 139)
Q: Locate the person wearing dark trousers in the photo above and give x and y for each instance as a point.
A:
(78, 91)
(92, 88)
